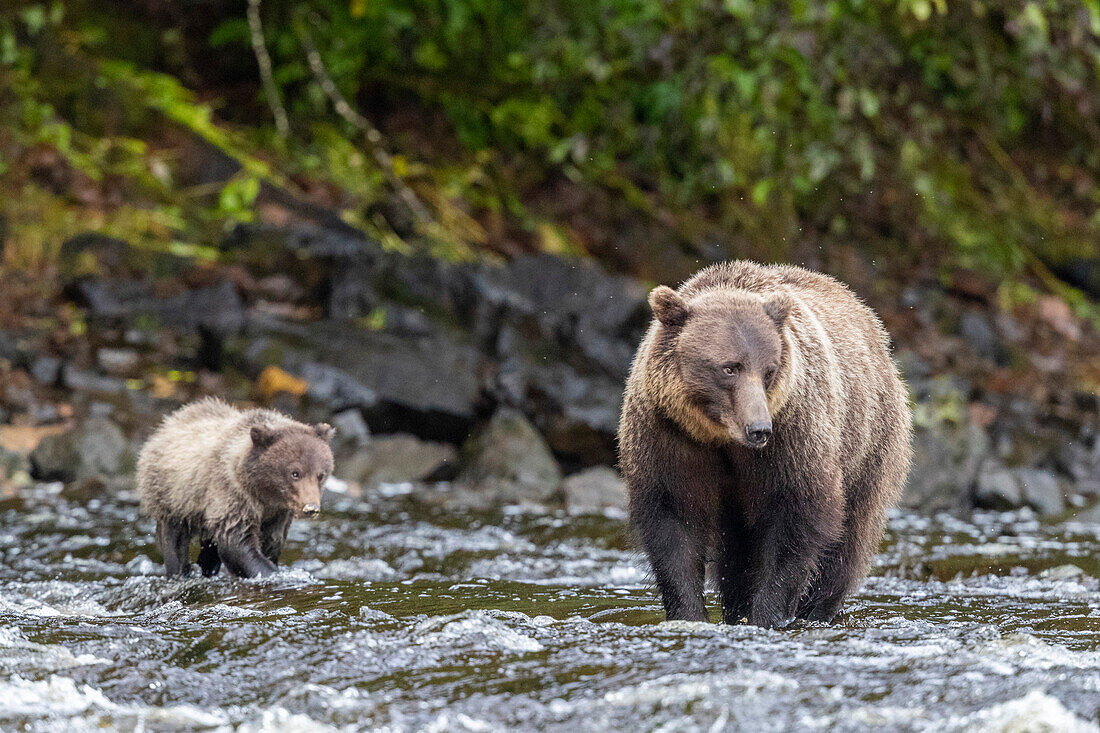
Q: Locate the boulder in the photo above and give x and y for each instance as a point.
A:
(594, 490)
(216, 309)
(977, 329)
(352, 432)
(395, 459)
(1042, 491)
(46, 369)
(97, 448)
(946, 459)
(577, 412)
(429, 385)
(90, 252)
(118, 362)
(1003, 488)
(10, 349)
(510, 463)
(15, 472)
(1089, 514)
(997, 488)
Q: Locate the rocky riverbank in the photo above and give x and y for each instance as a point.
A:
(483, 384)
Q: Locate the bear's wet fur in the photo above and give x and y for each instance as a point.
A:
(765, 429)
(235, 479)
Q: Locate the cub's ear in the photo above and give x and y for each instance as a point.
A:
(778, 307)
(669, 308)
(324, 431)
(262, 437)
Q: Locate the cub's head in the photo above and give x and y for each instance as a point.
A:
(727, 359)
(288, 466)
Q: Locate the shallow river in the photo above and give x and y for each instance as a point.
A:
(396, 618)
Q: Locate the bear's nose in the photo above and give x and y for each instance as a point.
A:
(757, 433)
(311, 510)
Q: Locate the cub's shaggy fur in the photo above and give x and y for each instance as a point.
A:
(765, 429)
(233, 478)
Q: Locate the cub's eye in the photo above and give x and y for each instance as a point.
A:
(295, 475)
(730, 369)
(320, 478)
(769, 376)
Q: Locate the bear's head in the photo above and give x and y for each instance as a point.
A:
(287, 466)
(723, 353)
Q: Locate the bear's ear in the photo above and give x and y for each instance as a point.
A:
(324, 431)
(669, 308)
(262, 437)
(778, 307)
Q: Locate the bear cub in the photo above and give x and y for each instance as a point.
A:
(235, 479)
(765, 431)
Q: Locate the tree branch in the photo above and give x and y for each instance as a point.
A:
(373, 136)
(263, 60)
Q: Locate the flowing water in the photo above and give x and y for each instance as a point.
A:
(396, 618)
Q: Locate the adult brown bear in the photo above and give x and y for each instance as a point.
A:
(764, 427)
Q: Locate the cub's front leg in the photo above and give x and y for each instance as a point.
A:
(209, 561)
(239, 551)
(273, 536)
(174, 541)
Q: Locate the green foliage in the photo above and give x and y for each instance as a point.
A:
(961, 131)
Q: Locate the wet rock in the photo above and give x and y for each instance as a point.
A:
(352, 432)
(510, 463)
(946, 459)
(278, 287)
(1089, 514)
(333, 385)
(593, 490)
(429, 385)
(10, 349)
(118, 362)
(216, 309)
(407, 321)
(1002, 488)
(334, 240)
(1081, 272)
(997, 488)
(95, 449)
(1042, 491)
(976, 328)
(1079, 460)
(90, 252)
(1062, 572)
(15, 472)
(46, 369)
(86, 380)
(395, 459)
(577, 412)
(572, 303)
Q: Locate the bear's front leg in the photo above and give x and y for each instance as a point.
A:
(209, 561)
(734, 566)
(244, 559)
(678, 556)
(789, 545)
(174, 540)
(273, 536)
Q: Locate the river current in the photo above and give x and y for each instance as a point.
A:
(390, 616)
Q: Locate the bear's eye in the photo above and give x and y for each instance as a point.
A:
(295, 475)
(320, 478)
(769, 376)
(730, 369)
